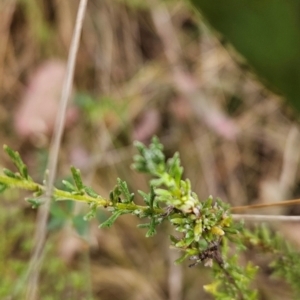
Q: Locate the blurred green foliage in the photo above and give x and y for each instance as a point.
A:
(266, 33)
(15, 248)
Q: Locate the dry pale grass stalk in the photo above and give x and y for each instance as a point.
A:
(262, 218)
(265, 205)
(43, 213)
(7, 9)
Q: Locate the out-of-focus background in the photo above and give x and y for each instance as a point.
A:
(144, 68)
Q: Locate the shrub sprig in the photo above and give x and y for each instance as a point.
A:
(205, 228)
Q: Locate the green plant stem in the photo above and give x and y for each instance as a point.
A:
(132, 207)
(20, 183)
(60, 195)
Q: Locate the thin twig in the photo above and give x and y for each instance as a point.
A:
(43, 213)
(266, 218)
(264, 205)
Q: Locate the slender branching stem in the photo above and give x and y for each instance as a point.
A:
(204, 229)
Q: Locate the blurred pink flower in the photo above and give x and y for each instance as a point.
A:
(37, 111)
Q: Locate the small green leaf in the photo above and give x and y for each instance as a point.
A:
(151, 232)
(177, 221)
(109, 222)
(182, 258)
(92, 213)
(145, 225)
(115, 195)
(139, 164)
(39, 192)
(77, 178)
(152, 196)
(124, 189)
(174, 168)
(163, 192)
(68, 185)
(173, 239)
(145, 196)
(35, 202)
(9, 151)
(111, 196)
(10, 174)
(24, 172)
(198, 230)
(139, 146)
(208, 202)
(90, 192)
(18, 162)
(180, 244)
(131, 197)
(184, 242)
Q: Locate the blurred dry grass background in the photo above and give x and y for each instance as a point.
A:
(144, 68)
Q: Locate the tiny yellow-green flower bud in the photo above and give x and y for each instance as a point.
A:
(212, 288)
(198, 231)
(180, 244)
(177, 221)
(185, 208)
(217, 230)
(226, 222)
